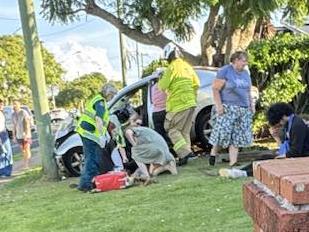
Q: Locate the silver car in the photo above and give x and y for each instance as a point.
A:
(139, 96)
(68, 145)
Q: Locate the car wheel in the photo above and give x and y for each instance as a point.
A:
(203, 128)
(74, 161)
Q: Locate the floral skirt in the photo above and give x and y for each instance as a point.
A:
(234, 127)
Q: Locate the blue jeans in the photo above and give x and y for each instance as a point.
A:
(97, 161)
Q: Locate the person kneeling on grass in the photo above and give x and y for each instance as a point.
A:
(149, 148)
(295, 141)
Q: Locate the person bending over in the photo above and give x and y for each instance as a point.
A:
(295, 141)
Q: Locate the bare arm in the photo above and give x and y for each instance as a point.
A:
(130, 136)
(14, 130)
(27, 128)
(217, 86)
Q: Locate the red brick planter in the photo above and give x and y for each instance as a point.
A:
(279, 202)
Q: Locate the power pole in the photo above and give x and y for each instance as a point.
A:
(38, 86)
(139, 75)
(122, 48)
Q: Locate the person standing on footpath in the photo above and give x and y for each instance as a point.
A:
(92, 127)
(234, 108)
(181, 83)
(6, 155)
(22, 131)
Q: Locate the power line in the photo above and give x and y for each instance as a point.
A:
(69, 29)
(11, 19)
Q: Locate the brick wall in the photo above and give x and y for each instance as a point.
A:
(282, 181)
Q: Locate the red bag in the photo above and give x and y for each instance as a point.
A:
(110, 181)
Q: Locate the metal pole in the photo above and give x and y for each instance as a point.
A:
(139, 75)
(122, 48)
(38, 87)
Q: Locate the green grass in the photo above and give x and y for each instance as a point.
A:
(190, 201)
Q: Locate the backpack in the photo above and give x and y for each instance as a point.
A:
(110, 181)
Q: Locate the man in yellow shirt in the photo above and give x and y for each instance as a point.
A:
(181, 83)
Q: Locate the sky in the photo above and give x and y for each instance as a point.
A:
(89, 45)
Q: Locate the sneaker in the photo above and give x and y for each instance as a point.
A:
(192, 156)
(183, 161)
(212, 160)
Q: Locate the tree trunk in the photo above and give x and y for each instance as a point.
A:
(229, 42)
(238, 39)
(208, 35)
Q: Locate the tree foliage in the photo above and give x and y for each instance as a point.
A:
(276, 67)
(149, 21)
(153, 66)
(75, 93)
(14, 76)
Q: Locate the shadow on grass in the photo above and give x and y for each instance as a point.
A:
(27, 177)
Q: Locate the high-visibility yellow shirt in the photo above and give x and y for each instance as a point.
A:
(88, 116)
(181, 83)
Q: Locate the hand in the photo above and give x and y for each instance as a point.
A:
(220, 109)
(102, 141)
(275, 131)
(280, 156)
(14, 140)
(125, 160)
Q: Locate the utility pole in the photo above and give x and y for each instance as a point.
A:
(122, 48)
(38, 86)
(137, 61)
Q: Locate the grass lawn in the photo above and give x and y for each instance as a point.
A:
(190, 201)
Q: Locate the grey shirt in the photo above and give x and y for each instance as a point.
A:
(236, 90)
(21, 122)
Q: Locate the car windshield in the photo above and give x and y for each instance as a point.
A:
(66, 123)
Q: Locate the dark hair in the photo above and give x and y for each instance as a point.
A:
(123, 115)
(238, 55)
(1, 101)
(276, 111)
(174, 55)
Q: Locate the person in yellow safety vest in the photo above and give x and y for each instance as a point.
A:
(92, 127)
(181, 83)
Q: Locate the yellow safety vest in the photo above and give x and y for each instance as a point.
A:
(89, 116)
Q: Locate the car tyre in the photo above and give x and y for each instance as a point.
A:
(74, 161)
(203, 128)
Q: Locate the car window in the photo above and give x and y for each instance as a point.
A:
(206, 77)
(134, 98)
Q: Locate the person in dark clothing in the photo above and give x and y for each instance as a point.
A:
(296, 131)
